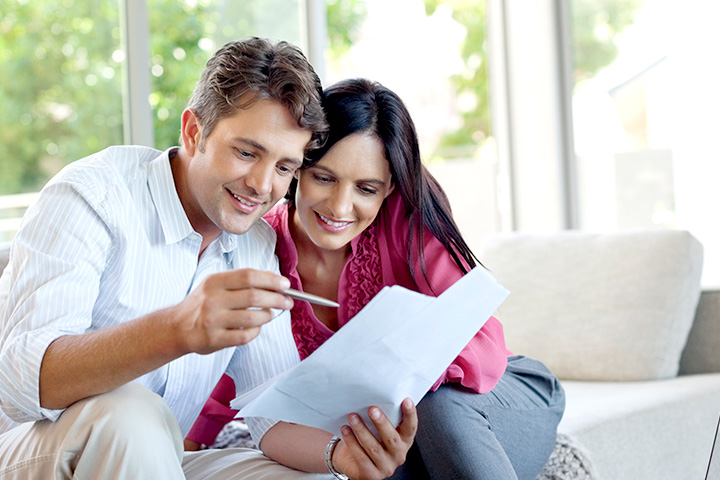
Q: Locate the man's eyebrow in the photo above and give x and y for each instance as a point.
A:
(252, 143)
(261, 147)
(298, 163)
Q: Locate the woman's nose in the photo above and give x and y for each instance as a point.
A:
(340, 202)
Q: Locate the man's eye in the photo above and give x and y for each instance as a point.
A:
(285, 170)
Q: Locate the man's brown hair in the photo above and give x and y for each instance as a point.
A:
(277, 71)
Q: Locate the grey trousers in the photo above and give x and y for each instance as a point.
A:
(129, 433)
(505, 434)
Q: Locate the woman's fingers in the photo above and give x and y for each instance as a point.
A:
(362, 465)
(409, 424)
(396, 440)
(389, 451)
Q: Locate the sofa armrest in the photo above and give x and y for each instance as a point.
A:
(701, 350)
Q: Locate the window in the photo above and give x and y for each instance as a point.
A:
(645, 99)
(604, 114)
(60, 89)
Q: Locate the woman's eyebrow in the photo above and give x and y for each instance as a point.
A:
(361, 180)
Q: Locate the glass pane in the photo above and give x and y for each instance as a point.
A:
(435, 60)
(184, 34)
(644, 106)
(60, 89)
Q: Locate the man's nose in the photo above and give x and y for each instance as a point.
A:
(260, 177)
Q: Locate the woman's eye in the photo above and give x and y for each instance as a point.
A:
(321, 178)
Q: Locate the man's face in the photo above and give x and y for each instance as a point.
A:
(246, 167)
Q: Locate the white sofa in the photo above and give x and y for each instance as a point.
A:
(616, 317)
(622, 321)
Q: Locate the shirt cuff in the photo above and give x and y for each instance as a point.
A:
(259, 426)
(20, 396)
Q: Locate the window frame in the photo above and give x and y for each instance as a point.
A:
(532, 120)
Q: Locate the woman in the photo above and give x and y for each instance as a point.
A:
(365, 213)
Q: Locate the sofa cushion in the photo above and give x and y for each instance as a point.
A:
(598, 306)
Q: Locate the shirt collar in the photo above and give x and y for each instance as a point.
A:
(174, 221)
(228, 242)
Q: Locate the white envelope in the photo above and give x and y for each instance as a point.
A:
(395, 347)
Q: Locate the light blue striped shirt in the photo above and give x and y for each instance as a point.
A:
(107, 242)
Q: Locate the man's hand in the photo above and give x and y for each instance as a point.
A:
(225, 310)
(361, 456)
(228, 308)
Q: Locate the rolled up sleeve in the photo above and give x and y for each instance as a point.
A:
(50, 288)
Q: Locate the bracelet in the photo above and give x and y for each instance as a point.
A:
(329, 450)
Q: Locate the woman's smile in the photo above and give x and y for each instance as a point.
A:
(332, 225)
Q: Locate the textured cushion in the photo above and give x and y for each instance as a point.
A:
(598, 306)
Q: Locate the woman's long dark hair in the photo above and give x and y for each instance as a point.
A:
(362, 106)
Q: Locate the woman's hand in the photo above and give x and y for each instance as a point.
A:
(361, 456)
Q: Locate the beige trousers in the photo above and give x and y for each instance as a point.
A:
(130, 434)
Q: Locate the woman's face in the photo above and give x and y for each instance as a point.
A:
(340, 196)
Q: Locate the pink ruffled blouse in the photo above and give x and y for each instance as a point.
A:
(379, 259)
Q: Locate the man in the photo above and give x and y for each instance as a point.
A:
(139, 277)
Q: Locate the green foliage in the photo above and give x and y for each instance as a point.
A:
(595, 26)
(472, 81)
(56, 59)
(344, 18)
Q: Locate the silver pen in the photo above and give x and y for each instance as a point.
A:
(309, 297)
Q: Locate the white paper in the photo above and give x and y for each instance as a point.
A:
(395, 347)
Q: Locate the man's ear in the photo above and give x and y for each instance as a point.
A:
(190, 131)
(390, 190)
